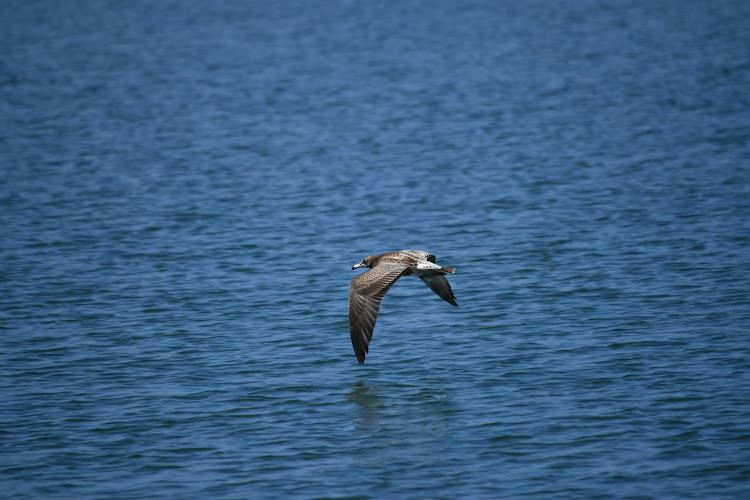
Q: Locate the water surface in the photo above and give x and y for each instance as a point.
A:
(185, 188)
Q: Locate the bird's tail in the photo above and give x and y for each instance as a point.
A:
(448, 270)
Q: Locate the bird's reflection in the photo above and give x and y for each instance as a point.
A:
(369, 401)
(400, 406)
(394, 419)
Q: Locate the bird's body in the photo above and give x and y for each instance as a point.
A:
(368, 289)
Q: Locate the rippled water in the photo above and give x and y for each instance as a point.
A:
(185, 187)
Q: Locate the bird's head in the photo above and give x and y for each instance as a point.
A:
(369, 262)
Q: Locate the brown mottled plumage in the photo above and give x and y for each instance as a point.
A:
(368, 289)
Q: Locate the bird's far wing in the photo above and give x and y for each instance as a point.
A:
(365, 294)
(438, 284)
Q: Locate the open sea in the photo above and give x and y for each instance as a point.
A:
(185, 186)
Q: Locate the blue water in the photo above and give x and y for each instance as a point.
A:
(186, 185)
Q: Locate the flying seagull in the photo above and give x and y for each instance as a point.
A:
(368, 289)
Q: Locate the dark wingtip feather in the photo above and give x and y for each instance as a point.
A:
(360, 355)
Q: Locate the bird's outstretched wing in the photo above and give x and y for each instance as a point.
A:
(365, 294)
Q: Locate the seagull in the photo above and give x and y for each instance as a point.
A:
(368, 289)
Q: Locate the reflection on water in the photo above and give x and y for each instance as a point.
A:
(399, 425)
(403, 411)
(370, 404)
(426, 407)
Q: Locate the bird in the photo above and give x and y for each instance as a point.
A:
(367, 290)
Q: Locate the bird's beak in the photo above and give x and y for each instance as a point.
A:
(361, 264)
